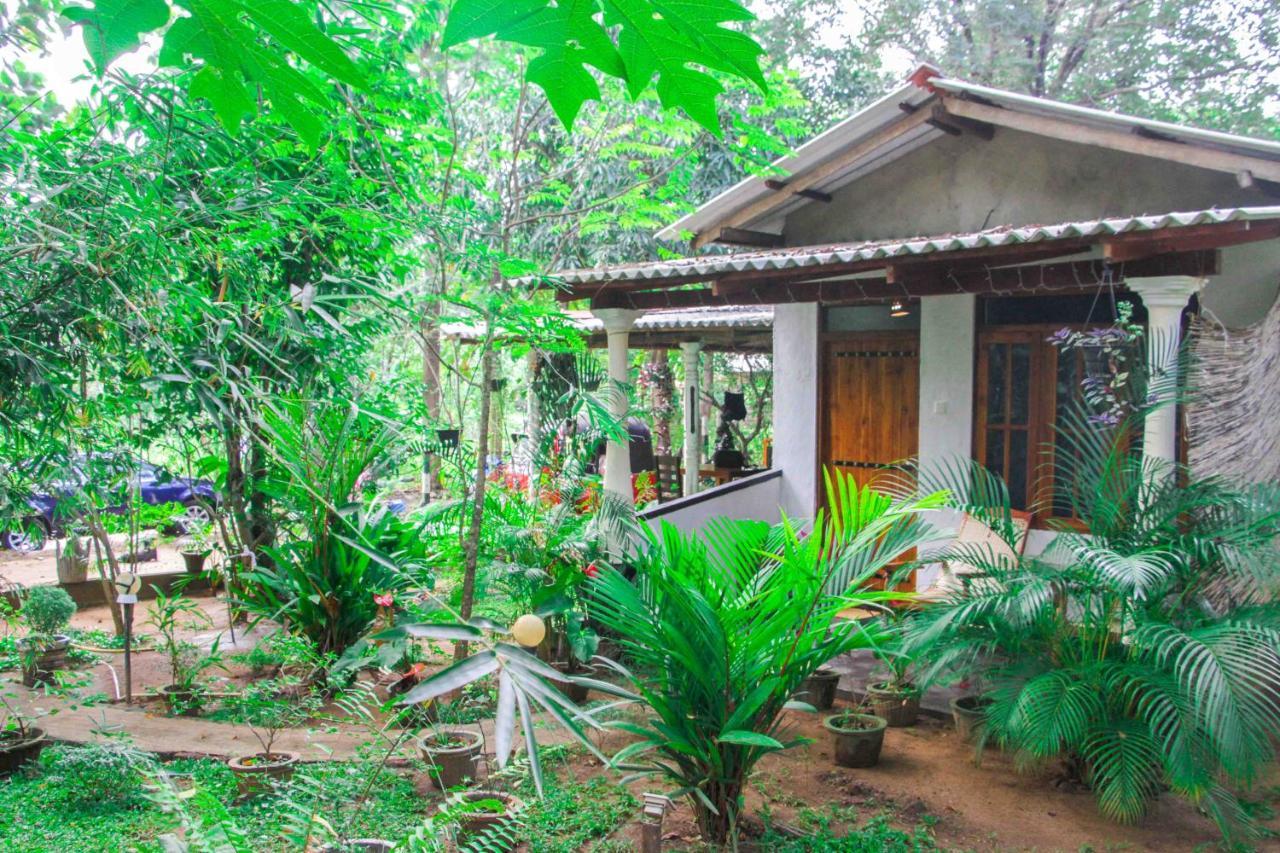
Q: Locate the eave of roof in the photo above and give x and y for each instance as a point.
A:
(708, 267)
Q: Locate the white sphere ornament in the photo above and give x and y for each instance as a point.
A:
(529, 630)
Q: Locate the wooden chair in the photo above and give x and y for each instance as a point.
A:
(668, 479)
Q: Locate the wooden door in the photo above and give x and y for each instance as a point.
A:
(870, 408)
(870, 402)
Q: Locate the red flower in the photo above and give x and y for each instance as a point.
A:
(592, 571)
(385, 599)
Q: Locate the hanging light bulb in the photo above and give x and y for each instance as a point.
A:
(529, 630)
(898, 309)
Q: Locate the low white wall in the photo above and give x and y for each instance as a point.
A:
(754, 497)
(796, 341)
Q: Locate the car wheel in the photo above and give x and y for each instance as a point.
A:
(196, 516)
(30, 537)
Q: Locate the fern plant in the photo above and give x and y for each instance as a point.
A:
(1143, 646)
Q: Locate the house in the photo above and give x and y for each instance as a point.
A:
(919, 253)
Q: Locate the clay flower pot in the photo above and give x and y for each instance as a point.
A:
(48, 658)
(194, 561)
(577, 693)
(259, 773)
(181, 701)
(17, 749)
(970, 714)
(819, 689)
(452, 754)
(900, 706)
(475, 822)
(858, 738)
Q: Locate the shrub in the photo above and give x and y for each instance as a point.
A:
(724, 627)
(47, 610)
(106, 773)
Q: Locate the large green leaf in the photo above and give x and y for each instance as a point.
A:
(115, 27)
(679, 41)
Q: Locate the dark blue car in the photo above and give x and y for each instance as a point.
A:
(154, 485)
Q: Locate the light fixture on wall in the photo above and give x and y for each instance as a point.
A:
(898, 309)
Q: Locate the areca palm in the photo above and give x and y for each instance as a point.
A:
(722, 629)
(1143, 645)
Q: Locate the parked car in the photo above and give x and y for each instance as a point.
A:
(119, 475)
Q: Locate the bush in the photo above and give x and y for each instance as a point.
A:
(108, 773)
(47, 610)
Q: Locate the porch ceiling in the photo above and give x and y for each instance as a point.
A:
(1036, 258)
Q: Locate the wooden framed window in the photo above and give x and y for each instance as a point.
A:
(1024, 386)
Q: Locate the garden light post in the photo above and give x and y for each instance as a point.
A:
(692, 416)
(617, 456)
(1164, 298)
(655, 809)
(127, 586)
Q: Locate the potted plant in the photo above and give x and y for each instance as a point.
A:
(819, 689)
(858, 738)
(970, 715)
(20, 741)
(483, 812)
(46, 612)
(269, 707)
(183, 695)
(452, 754)
(196, 546)
(582, 643)
(73, 562)
(896, 698)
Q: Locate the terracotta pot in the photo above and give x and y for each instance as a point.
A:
(970, 714)
(194, 561)
(819, 689)
(16, 751)
(455, 762)
(47, 660)
(900, 706)
(474, 823)
(181, 701)
(858, 738)
(259, 773)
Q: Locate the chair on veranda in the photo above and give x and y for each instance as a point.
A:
(976, 537)
(668, 479)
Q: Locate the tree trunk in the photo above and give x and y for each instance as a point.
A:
(430, 332)
(471, 548)
(718, 828)
(663, 393)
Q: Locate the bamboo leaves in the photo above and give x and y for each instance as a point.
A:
(115, 27)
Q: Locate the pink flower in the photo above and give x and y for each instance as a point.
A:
(385, 599)
(592, 571)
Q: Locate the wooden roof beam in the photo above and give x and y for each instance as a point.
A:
(816, 195)
(748, 237)
(1187, 153)
(1129, 247)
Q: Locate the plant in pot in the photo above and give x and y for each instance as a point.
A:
(858, 738)
(896, 698)
(268, 707)
(196, 546)
(488, 817)
(46, 611)
(819, 689)
(73, 561)
(20, 741)
(184, 695)
(451, 754)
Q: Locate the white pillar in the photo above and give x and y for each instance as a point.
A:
(948, 341)
(692, 416)
(796, 348)
(1164, 297)
(617, 455)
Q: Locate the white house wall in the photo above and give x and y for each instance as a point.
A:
(947, 338)
(795, 404)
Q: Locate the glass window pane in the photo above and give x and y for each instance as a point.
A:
(996, 359)
(1019, 464)
(1020, 390)
(995, 451)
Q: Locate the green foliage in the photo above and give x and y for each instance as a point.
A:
(97, 777)
(722, 630)
(1143, 646)
(271, 705)
(873, 837)
(47, 610)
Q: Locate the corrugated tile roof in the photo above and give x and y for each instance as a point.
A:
(712, 266)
